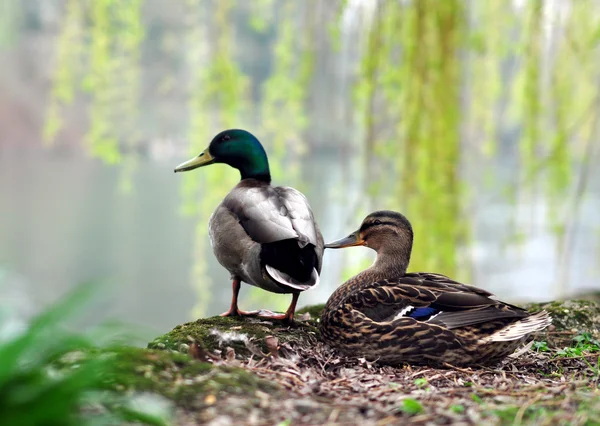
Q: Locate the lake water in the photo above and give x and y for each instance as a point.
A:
(64, 221)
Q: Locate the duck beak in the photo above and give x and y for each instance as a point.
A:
(351, 240)
(204, 159)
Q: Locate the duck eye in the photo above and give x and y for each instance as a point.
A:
(377, 222)
(225, 138)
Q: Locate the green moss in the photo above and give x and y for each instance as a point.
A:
(508, 415)
(588, 409)
(572, 315)
(173, 375)
(218, 333)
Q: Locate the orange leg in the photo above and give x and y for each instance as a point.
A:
(234, 311)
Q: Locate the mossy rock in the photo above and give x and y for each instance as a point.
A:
(569, 318)
(216, 334)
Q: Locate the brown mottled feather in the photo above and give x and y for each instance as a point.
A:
(366, 316)
(359, 318)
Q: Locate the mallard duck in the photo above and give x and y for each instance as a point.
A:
(264, 235)
(389, 315)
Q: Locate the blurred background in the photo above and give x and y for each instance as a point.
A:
(477, 119)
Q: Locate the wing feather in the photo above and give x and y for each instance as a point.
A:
(464, 318)
(270, 214)
(299, 213)
(460, 304)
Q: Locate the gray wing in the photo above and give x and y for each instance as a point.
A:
(271, 214)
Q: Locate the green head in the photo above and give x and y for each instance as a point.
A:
(239, 149)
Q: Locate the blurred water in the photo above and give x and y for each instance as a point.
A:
(64, 221)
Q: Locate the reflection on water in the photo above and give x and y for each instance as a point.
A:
(65, 222)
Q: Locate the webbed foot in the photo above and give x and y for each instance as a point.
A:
(236, 312)
(288, 317)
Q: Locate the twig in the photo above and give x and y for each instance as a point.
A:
(418, 373)
(281, 373)
(521, 412)
(566, 358)
(470, 372)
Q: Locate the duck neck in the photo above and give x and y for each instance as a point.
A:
(390, 264)
(255, 166)
(263, 175)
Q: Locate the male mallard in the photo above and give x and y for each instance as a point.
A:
(389, 315)
(263, 235)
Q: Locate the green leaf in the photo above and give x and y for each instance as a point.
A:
(411, 406)
(457, 408)
(420, 382)
(540, 346)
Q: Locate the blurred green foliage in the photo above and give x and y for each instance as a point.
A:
(35, 391)
(98, 53)
(218, 100)
(432, 85)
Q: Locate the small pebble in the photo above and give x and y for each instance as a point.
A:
(305, 406)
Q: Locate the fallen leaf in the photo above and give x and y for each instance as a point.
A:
(230, 354)
(198, 352)
(272, 345)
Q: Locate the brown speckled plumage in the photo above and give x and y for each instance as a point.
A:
(368, 316)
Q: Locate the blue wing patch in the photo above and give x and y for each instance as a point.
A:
(423, 314)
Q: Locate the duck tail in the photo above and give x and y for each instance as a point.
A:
(291, 263)
(521, 328)
(289, 281)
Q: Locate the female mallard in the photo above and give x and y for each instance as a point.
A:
(389, 315)
(263, 235)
